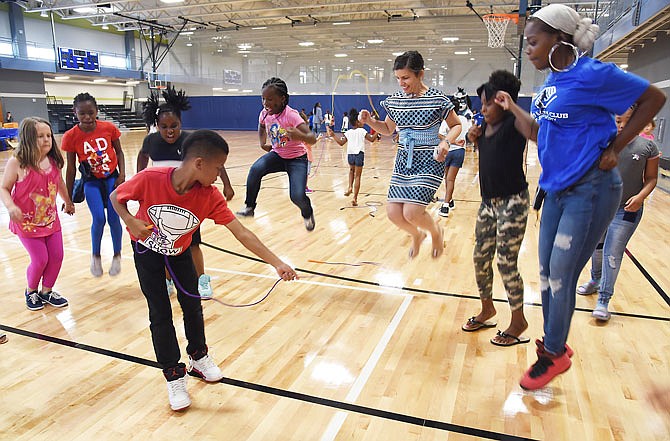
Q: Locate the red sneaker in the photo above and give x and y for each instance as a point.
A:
(540, 348)
(544, 370)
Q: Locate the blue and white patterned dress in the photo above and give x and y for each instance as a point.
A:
(416, 174)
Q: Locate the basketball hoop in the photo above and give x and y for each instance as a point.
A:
(497, 25)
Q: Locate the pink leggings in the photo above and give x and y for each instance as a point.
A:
(46, 258)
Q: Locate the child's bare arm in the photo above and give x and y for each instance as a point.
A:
(228, 191)
(122, 162)
(301, 133)
(253, 244)
(8, 180)
(137, 227)
(341, 140)
(68, 206)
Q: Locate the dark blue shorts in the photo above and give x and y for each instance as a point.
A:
(196, 239)
(455, 158)
(358, 159)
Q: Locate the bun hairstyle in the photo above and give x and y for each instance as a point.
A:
(411, 60)
(501, 80)
(559, 17)
(175, 102)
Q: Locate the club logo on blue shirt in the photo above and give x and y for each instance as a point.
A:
(542, 102)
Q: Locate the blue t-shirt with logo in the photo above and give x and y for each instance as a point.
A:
(575, 111)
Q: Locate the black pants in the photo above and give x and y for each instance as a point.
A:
(151, 273)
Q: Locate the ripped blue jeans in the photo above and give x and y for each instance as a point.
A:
(573, 222)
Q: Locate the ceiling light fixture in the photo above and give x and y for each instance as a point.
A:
(623, 66)
(450, 39)
(340, 55)
(259, 28)
(306, 43)
(63, 77)
(172, 1)
(100, 80)
(186, 33)
(397, 54)
(376, 41)
(461, 52)
(341, 23)
(44, 14)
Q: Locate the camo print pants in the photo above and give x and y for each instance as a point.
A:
(501, 224)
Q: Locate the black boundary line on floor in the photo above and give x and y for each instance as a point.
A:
(424, 291)
(326, 402)
(650, 279)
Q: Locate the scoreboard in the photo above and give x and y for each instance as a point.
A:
(78, 59)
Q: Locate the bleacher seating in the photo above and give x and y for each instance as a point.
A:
(62, 117)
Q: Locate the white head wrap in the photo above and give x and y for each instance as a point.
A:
(566, 19)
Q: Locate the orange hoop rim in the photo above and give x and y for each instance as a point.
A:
(501, 17)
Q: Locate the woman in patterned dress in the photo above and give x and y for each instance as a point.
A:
(417, 112)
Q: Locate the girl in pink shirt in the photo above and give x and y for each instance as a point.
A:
(29, 187)
(287, 151)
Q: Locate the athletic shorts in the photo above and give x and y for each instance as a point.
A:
(196, 239)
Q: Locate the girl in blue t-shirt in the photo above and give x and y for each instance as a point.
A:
(573, 123)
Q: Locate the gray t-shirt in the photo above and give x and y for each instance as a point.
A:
(632, 162)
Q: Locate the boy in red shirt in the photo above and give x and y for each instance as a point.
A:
(173, 202)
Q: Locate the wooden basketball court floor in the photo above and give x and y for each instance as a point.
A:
(369, 352)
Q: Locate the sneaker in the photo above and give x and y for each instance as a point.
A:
(246, 212)
(53, 299)
(204, 287)
(170, 287)
(308, 190)
(545, 369)
(452, 205)
(177, 394)
(205, 369)
(96, 266)
(310, 223)
(600, 312)
(588, 288)
(444, 210)
(115, 269)
(540, 348)
(33, 301)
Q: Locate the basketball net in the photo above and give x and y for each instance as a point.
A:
(497, 25)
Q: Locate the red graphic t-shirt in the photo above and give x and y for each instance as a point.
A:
(175, 216)
(94, 147)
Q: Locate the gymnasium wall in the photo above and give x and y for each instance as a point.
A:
(22, 93)
(241, 112)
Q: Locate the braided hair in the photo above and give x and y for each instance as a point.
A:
(175, 102)
(83, 97)
(280, 86)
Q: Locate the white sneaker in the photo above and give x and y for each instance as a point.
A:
(205, 369)
(96, 266)
(115, 269)
(177, 394)
(204, 286)
(170, 287)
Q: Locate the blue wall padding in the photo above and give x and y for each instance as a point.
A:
(241, 112)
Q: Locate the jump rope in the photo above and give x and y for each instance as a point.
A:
(197, 296)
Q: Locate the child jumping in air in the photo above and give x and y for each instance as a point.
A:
(30, 184)
(96, 143)
(355, 140)
(173, 202)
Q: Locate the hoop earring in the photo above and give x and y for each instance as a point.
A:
(574, 50)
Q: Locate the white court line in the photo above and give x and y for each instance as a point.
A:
(475, 179)
(338, 419)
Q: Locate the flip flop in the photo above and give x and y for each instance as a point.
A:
(515, 340)
(476, 325)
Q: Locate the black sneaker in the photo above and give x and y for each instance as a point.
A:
(310, 223)
(246, 212)
(33, 301)
(452, 205)
(444, 210)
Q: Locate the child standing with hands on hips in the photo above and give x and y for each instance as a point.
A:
(173, 203)
(96, 144)
(355, 140)
(30, 184)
